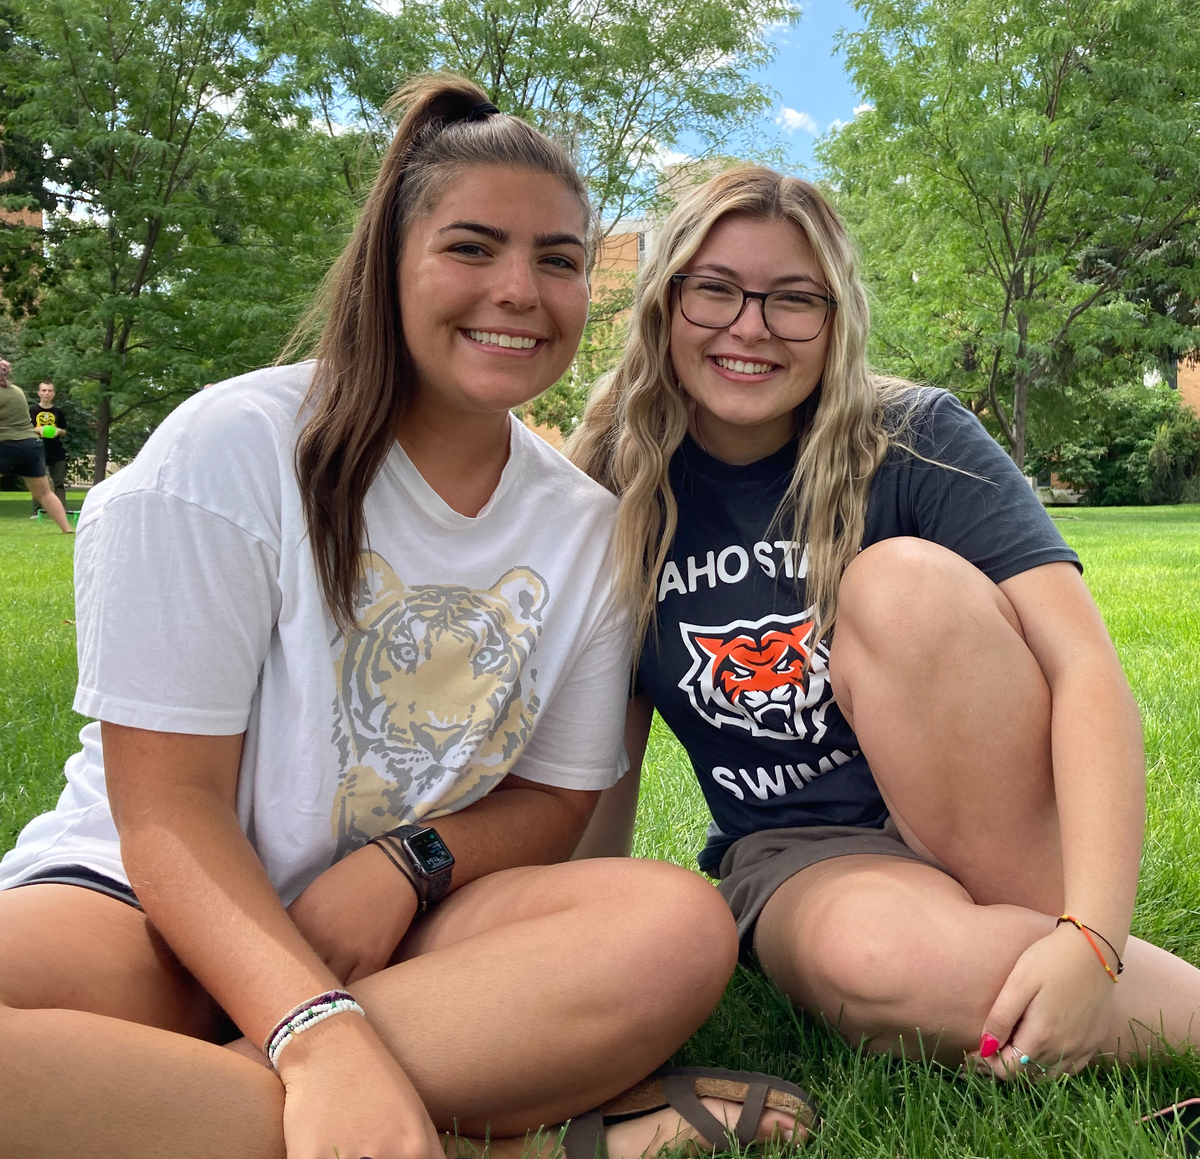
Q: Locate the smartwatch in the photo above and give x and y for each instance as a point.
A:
(429, 860)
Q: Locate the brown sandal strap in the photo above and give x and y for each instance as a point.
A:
(584, 1136)
(681, 1094)
(752, 1109)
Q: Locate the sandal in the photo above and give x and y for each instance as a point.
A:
(1187, 1115)
(682, 1087)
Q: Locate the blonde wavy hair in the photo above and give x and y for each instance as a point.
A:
(637, 416)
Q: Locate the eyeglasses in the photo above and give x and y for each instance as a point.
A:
(793, 315)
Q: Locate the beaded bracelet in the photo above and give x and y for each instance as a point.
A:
(304, 1017)
(1084, 930)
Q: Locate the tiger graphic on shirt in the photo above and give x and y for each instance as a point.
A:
(435, 698)
(750, 674)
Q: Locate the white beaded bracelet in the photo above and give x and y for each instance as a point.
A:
(304, 1017)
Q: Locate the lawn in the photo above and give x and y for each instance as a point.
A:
(1143, 565)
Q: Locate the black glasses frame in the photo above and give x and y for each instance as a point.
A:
(677, 280)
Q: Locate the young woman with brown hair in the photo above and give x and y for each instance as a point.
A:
(352, 639)
(922, 758)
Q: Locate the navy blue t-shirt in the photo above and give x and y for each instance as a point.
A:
(770, 747)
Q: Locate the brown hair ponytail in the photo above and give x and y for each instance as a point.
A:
(364, 375)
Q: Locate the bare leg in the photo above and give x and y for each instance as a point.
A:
(40, 490)
(527, 997)
(951, 708)
(102, 1019)
(953, 713)
(897, 954)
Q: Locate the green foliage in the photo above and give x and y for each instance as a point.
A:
(1025, 189)
(162, 123)
(23, 192)
(1131, 445)
(201, 161)
(618, 82)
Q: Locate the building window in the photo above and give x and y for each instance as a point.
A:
(641, 248)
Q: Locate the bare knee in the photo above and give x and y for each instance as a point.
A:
(877, 968)
(907, 600)
(862, 974)
(906, 586)
(682, 938)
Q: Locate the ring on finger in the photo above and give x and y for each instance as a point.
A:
(1024, 1059)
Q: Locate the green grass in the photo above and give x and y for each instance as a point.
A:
(1143, 566)
(38, 730)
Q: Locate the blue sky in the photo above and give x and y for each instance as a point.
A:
(813, 88)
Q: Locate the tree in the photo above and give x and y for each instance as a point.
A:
(1026, 168)
(1134, 444)
(24, 196)
(209, 155)
(206, 183)
(620, 82)
(135, 103)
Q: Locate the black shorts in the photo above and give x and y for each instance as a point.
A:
(225, 1030)
(24, 457)
(82, 876)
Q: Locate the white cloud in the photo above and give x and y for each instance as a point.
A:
(835, 124)
(793, 119)
(663, 158)
(863, 108)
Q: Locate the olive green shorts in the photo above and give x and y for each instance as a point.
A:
(755, 866)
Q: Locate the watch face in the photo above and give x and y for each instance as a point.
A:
(430, 851)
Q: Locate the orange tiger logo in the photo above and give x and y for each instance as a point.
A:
(751, 675)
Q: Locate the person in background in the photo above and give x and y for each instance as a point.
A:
(21, 448)
(45, 414)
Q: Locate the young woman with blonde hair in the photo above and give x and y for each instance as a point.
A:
(351, 636)
(923, 762)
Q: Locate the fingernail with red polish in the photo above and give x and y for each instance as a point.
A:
(988, 1045)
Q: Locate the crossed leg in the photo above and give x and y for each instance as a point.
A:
(953, 712)
(527, 997)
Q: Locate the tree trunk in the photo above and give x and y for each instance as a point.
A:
(1017, 418)
(1020, 403)
(103, 421)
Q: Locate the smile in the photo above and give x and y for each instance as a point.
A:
(508, 341)
(740, 367)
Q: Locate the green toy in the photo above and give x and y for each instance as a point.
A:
(49, 431)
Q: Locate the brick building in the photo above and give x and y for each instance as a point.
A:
(1186, 379)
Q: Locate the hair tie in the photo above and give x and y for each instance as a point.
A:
(482, 112)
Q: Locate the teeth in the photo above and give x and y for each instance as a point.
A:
(506, 340)
(740, 367)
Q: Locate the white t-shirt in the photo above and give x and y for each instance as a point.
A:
(485, 645)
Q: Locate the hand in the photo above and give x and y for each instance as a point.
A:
(344, 1094)
(1055, 1007)
(355, 914)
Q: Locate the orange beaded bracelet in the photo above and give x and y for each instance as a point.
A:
(1087, 932)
